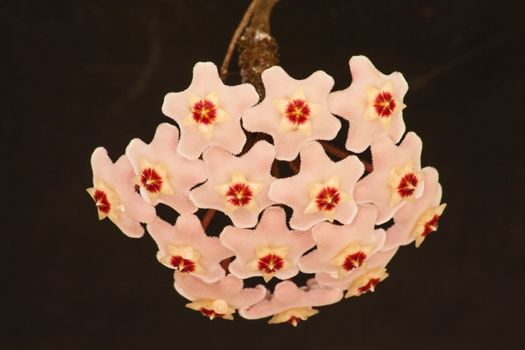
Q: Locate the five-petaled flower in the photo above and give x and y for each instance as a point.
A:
(219, 299)
(293, 112)
(417, 219)
(322, 190)
(373, 105)
(237, 185)
(396, 177)
(269, 250)
(209, 112)
(186, 247)
(158, 168)
(114, 194)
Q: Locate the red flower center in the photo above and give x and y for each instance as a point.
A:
(204, 112)
(431, 225)
(294, 320)
(328, 198)
(297, 111)
(407, 185)
(239, 194)
(181, 264)
(384, 104)
(354, 260)
(101, 201)
(270, 263)
(210, 313)
(151, 180)
(370, 285)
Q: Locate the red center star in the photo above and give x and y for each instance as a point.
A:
(369, 286)
(101, 201)
(181, 264)
(384, 104)
(151, 180)
(431, 225)
(239, 194)
(354, 260)
(204, 112)
(270, 263)
(294, 320)
(328, 198)
(407, 185)
(211, 314)
(297, 112)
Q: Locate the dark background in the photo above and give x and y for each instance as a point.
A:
(79, 74)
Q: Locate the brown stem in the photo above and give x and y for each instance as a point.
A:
(235, 38)
(275, 170)
(294, 165)
(207, 218)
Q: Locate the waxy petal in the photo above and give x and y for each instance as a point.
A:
(229, 103)
(268, 116)
(352, 104)
(182, 174)
(318, 168)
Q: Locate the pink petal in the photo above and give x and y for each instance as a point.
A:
(351, 104)
(405, 219)
(288, 296)
(183, 174)
(188, 231)
(255, 165)
(375, 187)
(265, 117)
(270, 232)
(316, 167)
(229, 289)
(119, 176)
(234, 100)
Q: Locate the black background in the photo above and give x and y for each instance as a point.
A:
(79, 74)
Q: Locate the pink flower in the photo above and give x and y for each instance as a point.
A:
(163, 175)
(322, 190)
(396, 177)
(269, 250)
(373, 105)
(363, 279)
(187, 248)
(292, 304)
(114, 194)
(209, 112)
(342, 249)
(417, 219)
(293, 111)
(219, 299)
(237, 185)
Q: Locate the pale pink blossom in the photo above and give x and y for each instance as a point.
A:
(322, 190)
(209, 112)
(238, 186)
(293, 112)
(342, 249)
(362, 279)
(396, 177)
(292, 304)
(114, 194)
(186, 247)
(418, 218)
(162, 174)
(373, 105)
(219, 299)
(271, 249)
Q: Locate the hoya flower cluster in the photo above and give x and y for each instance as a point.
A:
(336, 207)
